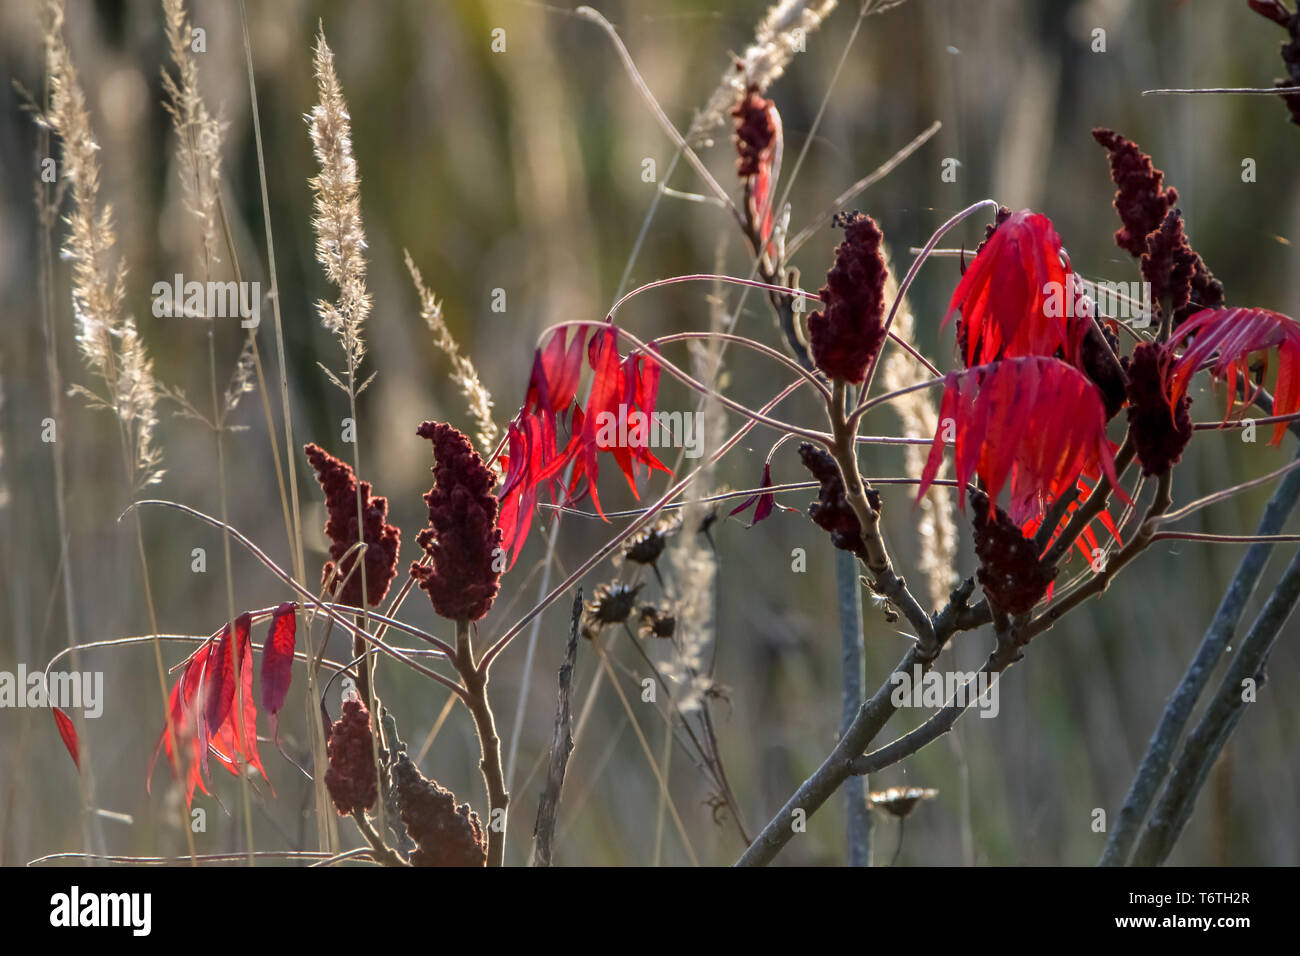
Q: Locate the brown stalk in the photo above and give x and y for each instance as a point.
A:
(475, 677)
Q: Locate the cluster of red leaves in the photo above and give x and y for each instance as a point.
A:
(1043, 379)
(1032, 422)
(445, 834)
(758, 144)
(846, 335)
(462, 538)
(1012, 296)
(1235, 342)
(1086, 542)
(203, 715)
(351, 779)
(382, 539)
(535, 459)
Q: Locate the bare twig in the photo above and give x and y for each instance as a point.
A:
(561, 745)
(475, 677)
(1207, 740)
(849, 592)
(1156, 761)
(872, 716)
(1219, 90)
(383, 853)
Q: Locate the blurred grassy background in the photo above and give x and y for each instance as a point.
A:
(522, 170)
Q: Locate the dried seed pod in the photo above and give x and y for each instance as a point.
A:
(648, 544)
(445, 834)
(831, 511)
(1140, 200)
(846, 334)
(350, 778)
(1011, 573)
(1177, 273)
(900, 801)
(382, 539)
(1160, 430)
(657, 622)
(611, 603)
(462, 538)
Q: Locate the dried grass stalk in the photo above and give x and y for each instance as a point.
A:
(109, 343)
(781, 33)
(340, 236)
(463, 372)
(199, 134)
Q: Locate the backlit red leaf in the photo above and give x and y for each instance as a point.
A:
(1013, 296)
(69, 735)
(237, 736)
(763, 503)
(1034, 424)
(1227, 340)
(277, 656)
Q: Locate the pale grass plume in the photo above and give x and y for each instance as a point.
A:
(242, 379)
(199, 137)
(463, 372)
(199, 133)
(108, 341)
(340, 237)
(936, 529)
(781, 34)
(694, 570)
(694, 564)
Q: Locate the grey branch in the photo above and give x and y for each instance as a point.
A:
(850, 600)
(561, 746)
(871, 717)
(1206, 742)
(1155, 764)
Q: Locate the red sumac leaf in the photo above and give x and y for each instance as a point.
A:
(1226, 338)
(238, 735)
(1033, 423)
(69, 735)
(762, 502)
(219, 683)
(277, 656)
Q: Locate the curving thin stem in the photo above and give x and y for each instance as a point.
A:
(1225, 493)
(749, 343)
(867, 181)
(1245, 422)
(587, 13)
(608, 548)
(690, 381)
(288, 579)
(912, 271)
(1224, 538)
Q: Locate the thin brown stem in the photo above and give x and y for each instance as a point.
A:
(475, 678)
(384, 854)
